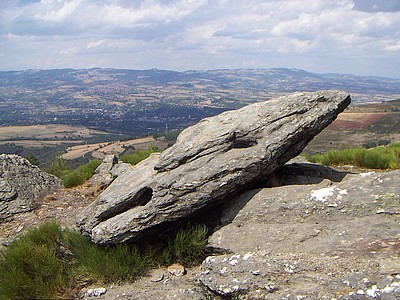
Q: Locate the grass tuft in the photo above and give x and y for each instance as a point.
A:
(71, 178)
(382, 157)
(48, 262)
(137, 156)
(187, 246)
(81, 174)
(113, 263)
(32, 268)
(75, 177)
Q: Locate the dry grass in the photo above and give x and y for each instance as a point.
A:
(81, 150)
(357, 126)
(52, 131)
(40, 143)
(356, 121)
(100, 150)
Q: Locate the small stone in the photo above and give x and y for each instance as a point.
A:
(247, 256)
(157, 275)
(390, 266)
(233, 262)
(176, 269)
(223, 270)
(95, 292)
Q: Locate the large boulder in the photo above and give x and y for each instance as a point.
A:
(22, 185)
(312, 233)
(210, 162)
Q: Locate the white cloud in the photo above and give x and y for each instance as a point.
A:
(56, 11)
(393, 47)
(186, 34)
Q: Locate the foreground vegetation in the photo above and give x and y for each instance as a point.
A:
(71, 178)
(382, 157)
(49, 262)
(137, 156)
(78, 176)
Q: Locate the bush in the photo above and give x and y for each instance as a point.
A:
(80, 174)
(47, 262)
(31, 267)
(137, 156)
(113, 263)
(71, 178)
(59, 167)
(187, 246)
(383, 157)
(32, 159)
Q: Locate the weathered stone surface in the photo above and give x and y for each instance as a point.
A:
(323, 235)
(210, 162)
(108, 170)
(22, 185)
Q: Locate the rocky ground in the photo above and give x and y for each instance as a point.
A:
(313, 233)
(61, 205)
(321, 234)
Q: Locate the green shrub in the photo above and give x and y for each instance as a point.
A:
(70, 177)
(59, 167)
(80, 174)
(376, 159)
(32, 159)
(113, 263)
(47, 262)
(137, 156)
(31, 267)
(383, 157)
(186, 247)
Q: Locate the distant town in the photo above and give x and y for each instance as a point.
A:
(141, 102)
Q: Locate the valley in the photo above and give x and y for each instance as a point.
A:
(49, 112)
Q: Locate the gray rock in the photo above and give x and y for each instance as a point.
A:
(96, 292)
(22, 185)
(324, 234)
(156, 275)
(210, 162)
(108, 170)
(176, 269)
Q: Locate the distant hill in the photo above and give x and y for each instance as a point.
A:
(366, 125)
(139, 102)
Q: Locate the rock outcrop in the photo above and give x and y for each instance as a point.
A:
(22, 185)
(210, 162)
(312, 233)
(325, 235)
(108, 170)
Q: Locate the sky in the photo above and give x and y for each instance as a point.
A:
(359, 37)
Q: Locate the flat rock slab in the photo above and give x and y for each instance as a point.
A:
(210, 162)
(324, 235)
